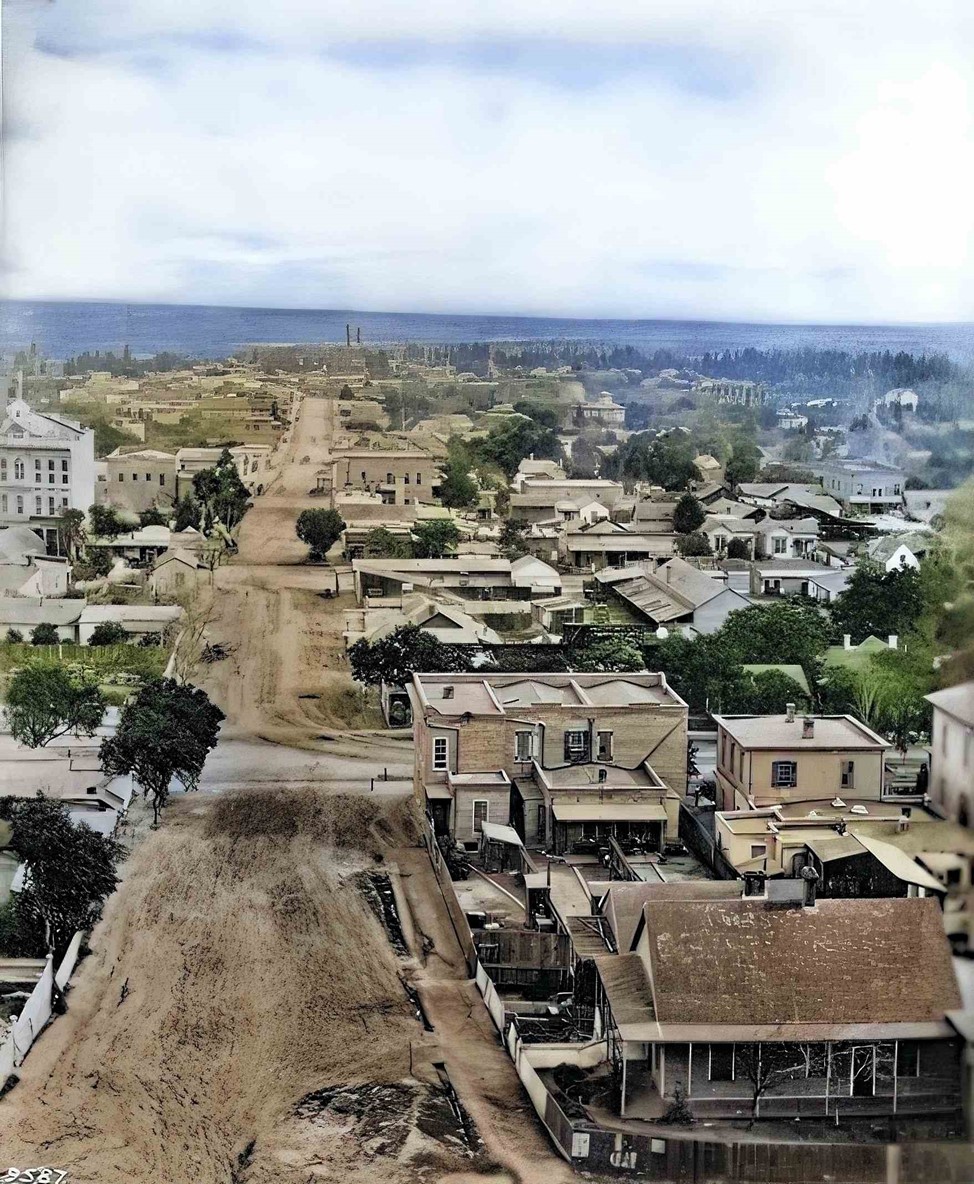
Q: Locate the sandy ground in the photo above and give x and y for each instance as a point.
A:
(239, 975)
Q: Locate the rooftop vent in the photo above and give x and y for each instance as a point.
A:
(838, 804)
(790, 712)
(808, 728)
(859, 810)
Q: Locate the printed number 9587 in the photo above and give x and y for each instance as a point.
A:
(33, 1176)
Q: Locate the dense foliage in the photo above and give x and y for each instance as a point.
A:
(44, 701)
(319, 530)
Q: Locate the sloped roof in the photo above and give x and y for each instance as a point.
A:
(624, 900)
(842, 962)
(956, 701)
(626, 988)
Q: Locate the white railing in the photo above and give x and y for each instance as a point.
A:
(37, 1011)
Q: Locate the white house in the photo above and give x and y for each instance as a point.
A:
(47, 466)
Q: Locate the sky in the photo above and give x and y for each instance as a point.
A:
(769, 160)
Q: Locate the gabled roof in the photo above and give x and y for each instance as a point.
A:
(841, 962)
(956, 701)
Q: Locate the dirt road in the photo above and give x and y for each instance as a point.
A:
(243, 1016)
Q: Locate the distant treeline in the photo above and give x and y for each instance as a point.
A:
(793, 371)
(124, 365)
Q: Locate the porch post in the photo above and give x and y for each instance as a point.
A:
(622, 1108)
(828, 1074)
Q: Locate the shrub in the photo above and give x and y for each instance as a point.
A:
(44, 634)
(14, 637)
(108, 633)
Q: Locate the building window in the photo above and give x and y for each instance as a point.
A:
(405, 479)
(50, 505)
(162, 478)
(37, 505)
(3, 502)
(780, 545)
(848, 778)
(908, 1059)
(440, 752)
(64, 503)
(577, 746)
(20, 504)
(480, 811)
(3, 469)
(419, 478)
(721, 1062)
(542, 823)
(121, 476)
(390, 478)
(759, 850)
(605, 746)
(64, 478)
(50, 465)
(523, 746)
(148, 476)
(784, 774)
(135, 476)
(64, 465)
(18, 470)
(37, 468)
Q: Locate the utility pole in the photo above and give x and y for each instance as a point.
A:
(348, 334)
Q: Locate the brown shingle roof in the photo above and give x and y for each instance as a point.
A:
(843, 962)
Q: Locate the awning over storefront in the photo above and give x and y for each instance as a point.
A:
(609, 812)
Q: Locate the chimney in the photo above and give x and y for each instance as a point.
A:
(790, 713)
(808, 728)
(903, 822)
(893, 641)
(847, 641)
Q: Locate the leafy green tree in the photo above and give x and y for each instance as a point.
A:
(737, 549)
(108, 633)
(153, 516)
(381, 543)
(782, 632)
(105, 522)
(319, 530)
(511, 540)
(611, 655)
(433, 539)
(221, 493)
(395, 658)
(688, 515)
(878, 602)
(770, 691)
(457, 488)
(510, 442)
(696, 543)
(543, 415)
(745, 462)
(164, 733)
(44, 634)
(44, 702)
(186, 513)
(71, 532)
(14, 637)
(70, 869)
(701, 672)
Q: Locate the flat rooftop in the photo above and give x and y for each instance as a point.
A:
(458, 694)
(778, 732)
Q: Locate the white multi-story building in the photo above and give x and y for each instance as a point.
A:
(47, 466)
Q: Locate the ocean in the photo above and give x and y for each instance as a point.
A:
(63, 329)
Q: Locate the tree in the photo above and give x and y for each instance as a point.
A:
(164, 733)
(105, 522)
(44, 702)
(745, 462)
(737, 549)
(395, 658)
(44, 634)
(14, 637)
(511, 541)
(770, 691)
(71, 532)
(152, 517)
(766, 1065)
(696, 543)
(319, 530)
(432, 540)
(186, 513)
(457, 488)
(381, 543)
(69, 869)
(221, 493)
(611, 655)
(108, 633)
(510, 442)
(701, 672)
(880, 602)
(688, 515)
(784, 632)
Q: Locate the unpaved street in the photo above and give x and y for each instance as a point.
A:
(243, 1017)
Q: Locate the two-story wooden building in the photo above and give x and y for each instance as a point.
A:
(767, 760)
(568, 756)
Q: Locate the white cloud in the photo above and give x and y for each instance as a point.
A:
(757, 160)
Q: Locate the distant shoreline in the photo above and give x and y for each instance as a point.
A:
(63, 329)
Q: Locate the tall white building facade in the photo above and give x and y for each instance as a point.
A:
(47, 466)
